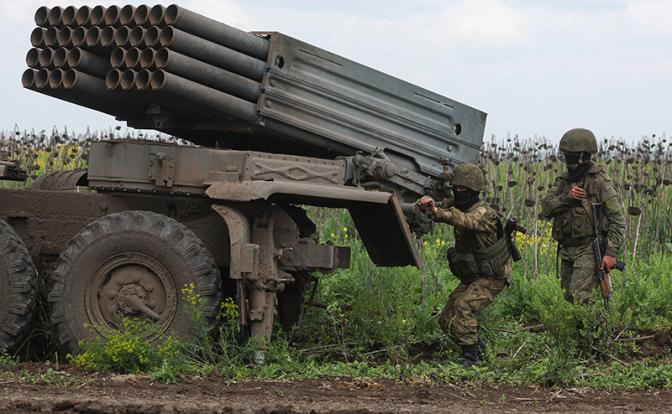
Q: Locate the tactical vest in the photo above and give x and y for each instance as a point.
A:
(574, 226)
(468, 261)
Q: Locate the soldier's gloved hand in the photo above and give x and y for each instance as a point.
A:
(608, 263)
(577, 193)
(428, 203)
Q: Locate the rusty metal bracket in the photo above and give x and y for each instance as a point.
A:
(308, 255)
(244, 255)
(9, 170)
(162, 168)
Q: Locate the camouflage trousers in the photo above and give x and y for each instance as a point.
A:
(577, 272)
(458, 318)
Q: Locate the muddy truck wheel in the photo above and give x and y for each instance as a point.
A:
(132, 264)
(18, 292)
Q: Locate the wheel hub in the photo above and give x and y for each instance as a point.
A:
(132, 300)
(131, 285)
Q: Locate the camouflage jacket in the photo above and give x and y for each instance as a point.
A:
(572, 225)
(475, 229)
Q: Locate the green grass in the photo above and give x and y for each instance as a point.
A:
(6, 360)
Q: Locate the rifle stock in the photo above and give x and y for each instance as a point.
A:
(602, 275)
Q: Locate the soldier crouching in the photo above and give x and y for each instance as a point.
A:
(480, 259)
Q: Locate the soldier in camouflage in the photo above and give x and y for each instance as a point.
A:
(569, 204)
(480, 258)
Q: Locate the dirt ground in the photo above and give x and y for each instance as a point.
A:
(137, 394)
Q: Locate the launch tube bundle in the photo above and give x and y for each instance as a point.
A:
(176, 71)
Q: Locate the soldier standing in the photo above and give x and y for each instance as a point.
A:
(569, 203)
(480, 258)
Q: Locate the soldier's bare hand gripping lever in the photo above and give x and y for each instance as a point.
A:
(428, 203)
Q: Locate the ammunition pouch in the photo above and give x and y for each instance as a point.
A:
(463, 265)
(492, 259)
(487, 262)
(574, 223)
(574, 226)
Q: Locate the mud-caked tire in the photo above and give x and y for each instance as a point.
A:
(133, 263)
(18, 289)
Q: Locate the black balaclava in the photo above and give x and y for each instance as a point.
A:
(577, 173)
(465, 199)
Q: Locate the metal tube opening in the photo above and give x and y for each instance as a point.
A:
(69, 15)
(74, 57)
(61, 57)
(127, 81)
(46, 57)
(42, 16)
(166, 36)
(141, 15)
(161, 59)
(54, 16)
(171, 14)
(152, 36)
(64, 37)
(42, 78)
(136, 38)
(107, 36)
(93, 36)
(79, 36)
(142, 79)
(147, 57)
(37, 37)
(32, 57)
(121, 37)
(50, 36)
(132, 58)
(111, 17)
(158, 80)
(156, 15)
(126, 15)
(112, 79)
(83, 16)
(56, 78)
(28, 78)
(70, 78)
(117, 57)
(98, 15)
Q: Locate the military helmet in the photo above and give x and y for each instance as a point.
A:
(578, 140)
(468, 176)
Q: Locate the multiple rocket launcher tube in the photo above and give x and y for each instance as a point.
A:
(119, 60)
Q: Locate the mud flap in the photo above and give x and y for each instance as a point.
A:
(385, 233)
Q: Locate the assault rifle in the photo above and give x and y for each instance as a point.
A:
(598, 246)
(511, 228)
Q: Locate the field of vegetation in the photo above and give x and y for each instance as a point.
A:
(380, 323)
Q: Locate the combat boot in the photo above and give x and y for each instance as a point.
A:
(470, 355)
(482, 347)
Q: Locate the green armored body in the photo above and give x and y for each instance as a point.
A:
(569, 203)
(480, 259)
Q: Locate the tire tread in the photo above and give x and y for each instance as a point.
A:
(16, 316)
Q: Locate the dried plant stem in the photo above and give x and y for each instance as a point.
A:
(536, 233)
(634, 248)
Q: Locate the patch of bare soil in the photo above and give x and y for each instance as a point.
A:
(125, 394)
